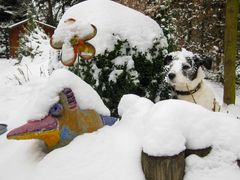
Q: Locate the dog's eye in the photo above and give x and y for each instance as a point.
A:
(186, 67)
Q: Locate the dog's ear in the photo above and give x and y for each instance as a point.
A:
(203, 61)
(168, 59)
(207, 62)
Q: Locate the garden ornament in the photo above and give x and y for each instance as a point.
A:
(63, 123)
(3, 128)
(71, 37)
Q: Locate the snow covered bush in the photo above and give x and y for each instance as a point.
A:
(130, 47)
(126, 70)
(32, 42)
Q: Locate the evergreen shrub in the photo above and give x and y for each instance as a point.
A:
(125, 70)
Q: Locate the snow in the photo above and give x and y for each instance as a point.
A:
(113, 152)
(122, 60)
(67, 30)
(199, 127)
(232, 110)
(166, 129)
(140, 30)
(162, 129)
(118, 64)
(67, 52)
(86, 97)
(155, 142)
(114, 74)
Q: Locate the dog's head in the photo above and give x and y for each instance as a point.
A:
(185, 70)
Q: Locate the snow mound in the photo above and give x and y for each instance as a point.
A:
(171, 126)
(113, 21)
(161, 129)
(86, 96)
(167, 122)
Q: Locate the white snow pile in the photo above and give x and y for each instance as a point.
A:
(197, 128)
(169, 127)
(118, 64)
(38, 47)
(113, 21)
(86, 96)
(38, 42)
(65, 31)
(162, 129)
(37, 57)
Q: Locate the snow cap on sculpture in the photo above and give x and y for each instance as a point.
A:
(71, 114)
(71, 37)
(116, 22)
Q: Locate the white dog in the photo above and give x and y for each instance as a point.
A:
(186, 78)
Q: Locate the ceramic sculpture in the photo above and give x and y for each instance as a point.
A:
(63, 123)
(71, 37)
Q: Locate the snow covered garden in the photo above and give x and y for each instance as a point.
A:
(148, 122)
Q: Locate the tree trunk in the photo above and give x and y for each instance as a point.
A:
(50, 13)
(230, 51)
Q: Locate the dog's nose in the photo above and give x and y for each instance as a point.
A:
(171, 76)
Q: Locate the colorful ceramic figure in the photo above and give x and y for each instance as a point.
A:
(64, 122)
(71, 37)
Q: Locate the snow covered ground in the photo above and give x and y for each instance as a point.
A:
(113, 152)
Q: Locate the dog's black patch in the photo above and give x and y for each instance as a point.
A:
(190, 69)
(196, 61)
(189, 61)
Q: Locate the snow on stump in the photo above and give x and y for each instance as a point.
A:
(164, 158)
(163, 168)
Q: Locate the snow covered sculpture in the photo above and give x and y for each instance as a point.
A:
(63, 123)
(71, 37)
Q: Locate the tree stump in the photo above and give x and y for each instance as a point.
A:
(168, 167)
(200, 152)
(163, 168)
